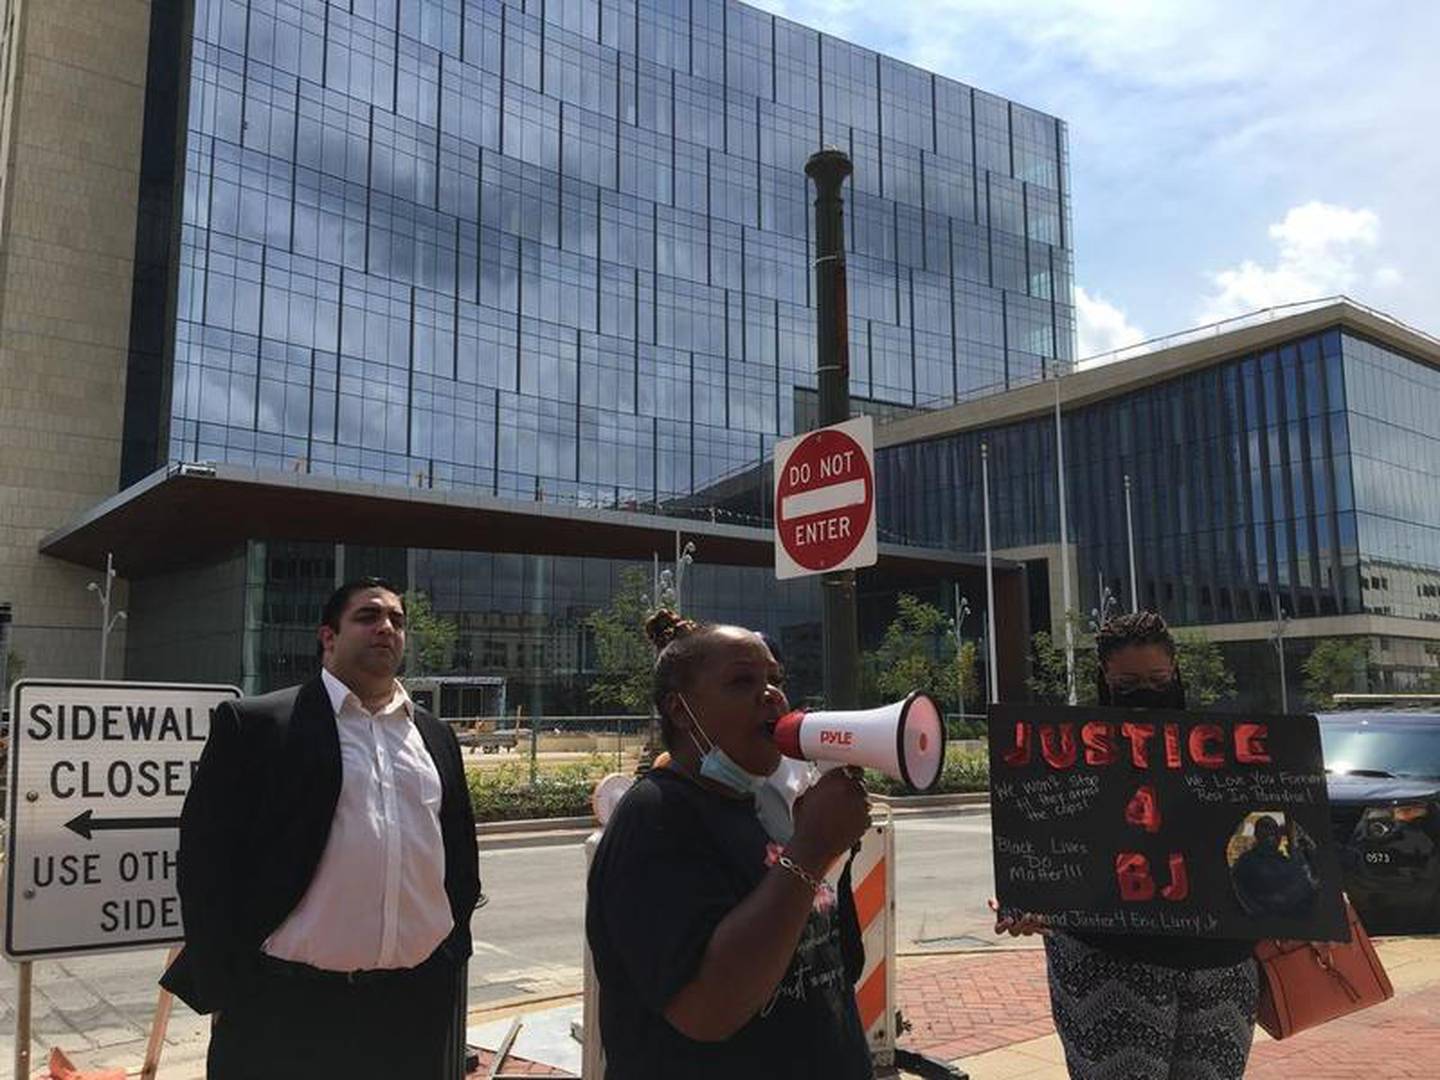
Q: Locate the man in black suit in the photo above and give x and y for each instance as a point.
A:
(328, 869)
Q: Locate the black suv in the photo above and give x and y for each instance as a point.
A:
(1384, 781)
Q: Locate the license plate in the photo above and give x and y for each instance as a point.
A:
(1377, 858)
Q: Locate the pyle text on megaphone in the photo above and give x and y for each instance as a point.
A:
(905, 740)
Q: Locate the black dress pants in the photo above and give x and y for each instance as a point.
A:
(300, 1024)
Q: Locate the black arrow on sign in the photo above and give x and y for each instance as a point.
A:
(86, 823)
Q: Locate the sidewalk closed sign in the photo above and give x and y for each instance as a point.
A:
(98, 775)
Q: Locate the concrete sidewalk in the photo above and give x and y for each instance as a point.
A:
(988, 1013)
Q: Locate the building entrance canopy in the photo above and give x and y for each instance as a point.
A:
(185, 514)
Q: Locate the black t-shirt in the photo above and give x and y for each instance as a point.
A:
(674, 860)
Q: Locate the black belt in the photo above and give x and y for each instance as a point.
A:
(290, 969)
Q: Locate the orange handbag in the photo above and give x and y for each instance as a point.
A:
(1305, 983)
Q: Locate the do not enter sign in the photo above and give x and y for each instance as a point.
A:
(825, 500)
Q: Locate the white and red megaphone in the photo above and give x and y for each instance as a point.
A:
(905, 740)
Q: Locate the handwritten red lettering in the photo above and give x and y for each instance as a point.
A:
(1099, 740)
(1062, 756)
(1250, 748)
(1205, 743)
(1139, 736)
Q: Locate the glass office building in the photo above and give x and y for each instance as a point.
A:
(560, 251)
(1300, 476)
(553, 253)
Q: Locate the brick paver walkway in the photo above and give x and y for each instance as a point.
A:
(514, 1066)
(960, 1004)
(965, 1004)
(1399, 1040)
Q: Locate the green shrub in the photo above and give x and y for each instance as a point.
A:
(965, 770)
(504, 793)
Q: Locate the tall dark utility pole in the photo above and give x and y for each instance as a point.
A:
(828, 169)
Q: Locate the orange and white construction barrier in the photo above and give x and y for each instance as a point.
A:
(872, 879)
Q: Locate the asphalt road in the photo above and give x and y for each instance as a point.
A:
(527, 941)
(528, 937)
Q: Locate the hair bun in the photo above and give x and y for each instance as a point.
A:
(665, 626)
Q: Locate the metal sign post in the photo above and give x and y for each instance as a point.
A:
(23, 986)
(829, 169)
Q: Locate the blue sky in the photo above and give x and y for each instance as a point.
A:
(1224, 156)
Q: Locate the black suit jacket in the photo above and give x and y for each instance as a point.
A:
(255, 824)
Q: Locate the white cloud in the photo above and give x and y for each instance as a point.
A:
(1101, 326)
(1387, 277)
(1189, 128)
(1321, 250)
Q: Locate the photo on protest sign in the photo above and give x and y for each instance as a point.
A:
(1165, 822)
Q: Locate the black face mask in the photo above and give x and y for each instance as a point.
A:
(1171, 696)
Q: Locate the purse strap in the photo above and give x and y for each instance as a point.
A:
(1324, 956)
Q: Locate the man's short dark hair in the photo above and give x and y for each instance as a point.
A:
(340, 598)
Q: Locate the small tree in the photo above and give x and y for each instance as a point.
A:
(1046, 681)
(1202, 666)
(623, 656)
(1335, 666)
(430, 638)
(916, 653)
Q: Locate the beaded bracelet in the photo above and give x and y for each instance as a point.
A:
(799, 871)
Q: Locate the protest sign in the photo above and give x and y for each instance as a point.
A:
(1163, 822)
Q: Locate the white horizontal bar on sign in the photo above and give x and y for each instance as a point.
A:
(823, 500)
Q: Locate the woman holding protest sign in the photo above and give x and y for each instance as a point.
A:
(716, 941)
(1141, 1005)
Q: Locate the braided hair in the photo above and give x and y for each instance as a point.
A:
(680, 646)
(1137, 628)
(1124, 631)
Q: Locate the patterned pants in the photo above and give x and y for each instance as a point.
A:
(1124, 1020)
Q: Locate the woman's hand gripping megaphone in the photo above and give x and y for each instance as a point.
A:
(830, 819)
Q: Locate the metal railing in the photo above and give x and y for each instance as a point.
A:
(553, 741)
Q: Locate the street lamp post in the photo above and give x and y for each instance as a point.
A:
(107, 621)
(962, 611)
(1130, 541)
(1070, 696)
(1282, 620)
(1108, 603)
(683, 558)
(989, 577)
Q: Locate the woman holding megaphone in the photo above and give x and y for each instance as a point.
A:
(715, 938)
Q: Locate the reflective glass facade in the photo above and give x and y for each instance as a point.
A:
(1395, 447)
(523, 617)
(560, 250)
(1303, 476)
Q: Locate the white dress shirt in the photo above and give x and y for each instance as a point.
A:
(377, 899)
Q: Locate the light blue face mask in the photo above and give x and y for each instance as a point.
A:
(717, 765)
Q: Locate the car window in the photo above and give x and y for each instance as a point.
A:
(1408, 749)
